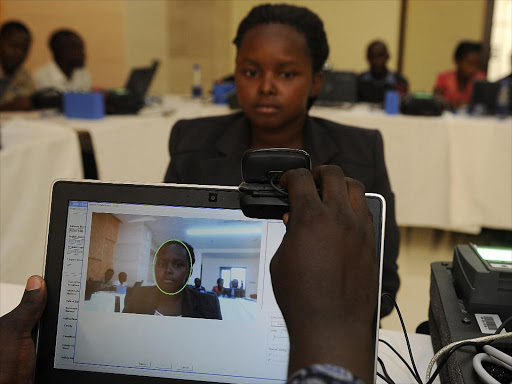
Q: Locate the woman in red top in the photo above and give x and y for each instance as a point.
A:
(219, 288)
(456, 87)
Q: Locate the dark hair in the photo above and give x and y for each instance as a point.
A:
(219, 280)
(302, 19)
(178, 243)
(122, 274)
(466, 47)
(60, 36)
(14, 26)
(110, 269)
(374, 44)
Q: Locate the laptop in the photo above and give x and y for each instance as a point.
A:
(484, 99)
(130, 99)
(97, 226)
(339, 88)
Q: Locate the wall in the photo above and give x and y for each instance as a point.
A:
(100, 23)
(211, 264)
(132, 252)
(350, 25)
(433, 30)
(104, 233)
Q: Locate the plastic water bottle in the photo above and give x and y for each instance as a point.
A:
(503, 99)
(197, 89)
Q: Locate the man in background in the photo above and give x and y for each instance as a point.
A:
(16, 84)
(67, 72)
(373, 84)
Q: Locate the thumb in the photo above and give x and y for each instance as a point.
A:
(32, 304)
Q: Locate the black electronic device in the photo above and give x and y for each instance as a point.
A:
(130, 99)
(450, 321)
(421, 105)
(86, 336)
(339, 87)
(261, 197)
(485, 97)
(483, 278)
(47, 98)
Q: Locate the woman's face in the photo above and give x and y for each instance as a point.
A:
(469, 64)
(172, 268)
(274, 76)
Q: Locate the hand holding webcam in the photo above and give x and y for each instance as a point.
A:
(260, 194)
(328, 247)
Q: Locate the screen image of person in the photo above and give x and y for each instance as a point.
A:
(171, 296)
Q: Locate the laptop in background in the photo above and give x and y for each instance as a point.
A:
(339, 88)
(131, 99)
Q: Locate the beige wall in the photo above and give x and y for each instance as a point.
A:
(128, 33)
(99, 22)
(434, 27)
(350, 25)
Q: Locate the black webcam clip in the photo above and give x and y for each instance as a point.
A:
(261, 196)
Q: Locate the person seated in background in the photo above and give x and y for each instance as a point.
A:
(331, 340)
(171, 296)
(67, 71)
(16, 85)
(106, 284)
(455, 87)
(373, 84)
(197, 285)
(219, 288)
(121, 280)
(280, 52)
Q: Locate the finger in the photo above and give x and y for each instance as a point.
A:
(356, 196)
(333, 186)
(302, 191)
(286, 217)
(32, 304)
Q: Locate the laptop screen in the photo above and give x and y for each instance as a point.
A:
(118, 311)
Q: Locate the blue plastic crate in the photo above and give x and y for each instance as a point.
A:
(84, 105)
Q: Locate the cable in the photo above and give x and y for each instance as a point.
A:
(400, 357)
(499, 356)
(279, 190)
(384, 378)
(451, 348)
(503, 325)
(416, 375)
(384, 370)
(480, 371)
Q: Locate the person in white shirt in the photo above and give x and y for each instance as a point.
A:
(121, 282)
(67, 72)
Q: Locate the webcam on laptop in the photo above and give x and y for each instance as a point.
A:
(261, 196)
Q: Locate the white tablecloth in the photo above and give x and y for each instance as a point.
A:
(449, 172)
(10, 295)
(33, 155)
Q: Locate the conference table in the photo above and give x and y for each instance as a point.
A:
(452, 172)
(34, 154)
(421, 345)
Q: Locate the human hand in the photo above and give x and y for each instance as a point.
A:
(17, 354)
(325, 275)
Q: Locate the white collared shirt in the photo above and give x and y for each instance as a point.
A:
(51, 76)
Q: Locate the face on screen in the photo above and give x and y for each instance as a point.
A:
(172, 267)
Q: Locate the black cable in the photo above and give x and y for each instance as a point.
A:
(416, 375)
(384, 378)
(279, 190)
(384, 370)
(401, 358)
(503, 325)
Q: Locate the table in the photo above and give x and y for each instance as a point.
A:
(34, 154)
(450, 172)
(421, 345)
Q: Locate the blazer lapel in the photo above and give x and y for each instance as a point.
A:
(318, 143)
(225, 169)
